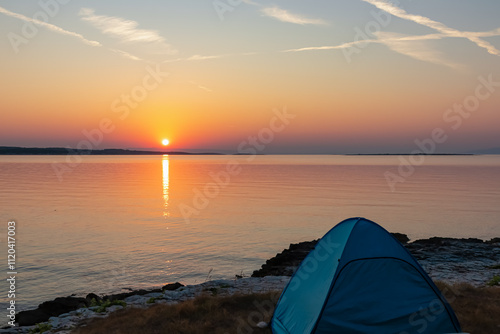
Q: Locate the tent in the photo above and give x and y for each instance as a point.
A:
(360, 279)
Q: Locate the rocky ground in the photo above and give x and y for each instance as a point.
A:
(170, 294)
(452, 260)
(470, 260)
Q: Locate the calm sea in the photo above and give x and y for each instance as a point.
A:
(110, 223)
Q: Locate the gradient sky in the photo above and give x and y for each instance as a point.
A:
(361, 76)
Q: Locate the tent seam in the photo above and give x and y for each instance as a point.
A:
(335, 275)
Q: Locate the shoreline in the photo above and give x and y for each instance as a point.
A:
(18, 150)
(451, 260)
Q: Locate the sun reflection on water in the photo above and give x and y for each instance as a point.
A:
(165, 165)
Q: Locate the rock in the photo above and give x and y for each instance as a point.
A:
(285, 263)
(402, 238)
(136, 299)
(262, 324)
(63, 305)
(438, 241)
(448, 259)
(122, 296)
(65, 315)
(172, 286)
(494, 241)
(31, 317)
(49, 309)
(154, 295)
(91, 296)
(113, 308)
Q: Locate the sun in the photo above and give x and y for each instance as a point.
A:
(165, 142)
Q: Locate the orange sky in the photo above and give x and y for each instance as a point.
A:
(226, 76)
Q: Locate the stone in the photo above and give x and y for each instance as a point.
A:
(135, 299)
(172, 286)
(113, 308)
(494, 241)
(49, 309)
(448, 259)
(402, 238)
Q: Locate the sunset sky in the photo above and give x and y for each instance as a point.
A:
(358, 76)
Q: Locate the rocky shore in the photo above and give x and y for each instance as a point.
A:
(73, 312)
(446, 259)
(452, 260)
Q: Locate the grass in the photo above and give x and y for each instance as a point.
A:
(477, 310)
(205, 314)
(102, 306)
(494, 281)
(40, 328)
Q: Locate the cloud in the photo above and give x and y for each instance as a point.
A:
(412, 46)
(125, 54)
(199, 57)
(391, 38)
(62, 31)
(438, 26)
(415, 48)
(50, 26)
(334, 47)
(285, 16)
(250, 2)
(126, 31)
(208, 90)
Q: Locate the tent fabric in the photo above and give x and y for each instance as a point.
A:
(360, 279)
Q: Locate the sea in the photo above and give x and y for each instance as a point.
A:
(108, 224)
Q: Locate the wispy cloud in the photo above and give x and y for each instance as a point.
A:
(62, 31)
(206, 89)
(285, 16)
(333, 47)
(50, 26)
(438, 26)
(199, 57)
(126, 31)
(415, 48)
(391, 37)
(125, 54)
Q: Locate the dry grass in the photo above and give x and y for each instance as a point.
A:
(478, 310)
(205, 314)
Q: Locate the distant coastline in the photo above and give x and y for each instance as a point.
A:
(15, 150)
(392, 154)
(6, 150)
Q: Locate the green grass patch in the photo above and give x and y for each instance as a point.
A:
(494, 281)
(104, 305)
(40, 328)
(153, 300)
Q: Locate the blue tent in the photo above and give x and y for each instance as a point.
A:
(360, 279)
